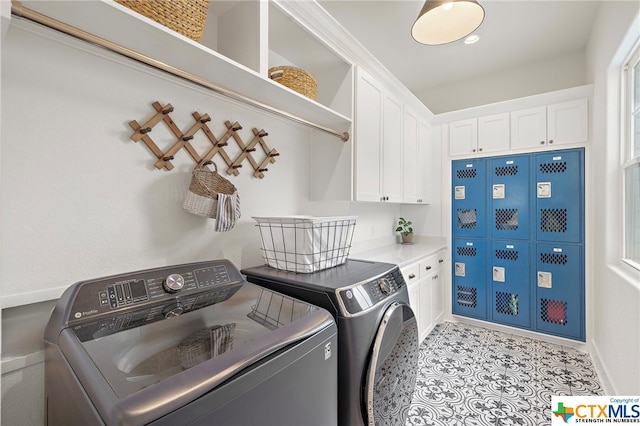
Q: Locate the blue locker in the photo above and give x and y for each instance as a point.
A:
(559, 180)
(469, 284)
(510, 288)
(468, 197)
(510, 197)
(559, 281)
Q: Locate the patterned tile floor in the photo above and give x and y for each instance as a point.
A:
(470, 375)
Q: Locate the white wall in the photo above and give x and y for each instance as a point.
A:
(615, 303)
(80, 200)
(532, 79)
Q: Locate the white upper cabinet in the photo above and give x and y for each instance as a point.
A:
(391, 145)
(411, 159)
(556, 124)
(463, 137)
(479, 135)
(493, 133)
(368, 137)
(392, 149)
(425, 156)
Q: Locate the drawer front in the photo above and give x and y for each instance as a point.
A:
(432, 263)
(411, 273)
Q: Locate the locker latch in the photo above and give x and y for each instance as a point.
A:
(459, 269)
(459, 192)
(498, 274)
(498, 191)
(544, 279)
(544, 189)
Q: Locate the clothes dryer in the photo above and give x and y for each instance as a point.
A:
(377, 334)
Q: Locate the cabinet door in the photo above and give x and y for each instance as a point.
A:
(437, 296)
(568, 122)
(510, 196)
(368, 138)
(469, 294)
(559, 180)
(392, 149)
(410, 172)
(510, 287)
(468, 198)
(424, 321)
(529, 128)
(463, 137)
(425, 157)
(559, 304)
(493, 133)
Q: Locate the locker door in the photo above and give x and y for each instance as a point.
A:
(469, 269)
(468, 198)
(510, 197)
(510, 289)
(560, 290)
(559, 196)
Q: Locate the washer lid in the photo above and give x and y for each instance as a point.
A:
(228, 328)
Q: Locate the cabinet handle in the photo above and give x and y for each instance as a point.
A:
(412, 276)
(440, 260)
(427, 267)
(473, 150)
(480, 149)
(435, 277)
(541, 142)
(551, 141)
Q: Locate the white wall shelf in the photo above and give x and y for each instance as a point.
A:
(168, 50)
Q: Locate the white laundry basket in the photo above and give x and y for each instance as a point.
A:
(305, 243)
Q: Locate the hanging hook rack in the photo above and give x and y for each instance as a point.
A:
(182, 141)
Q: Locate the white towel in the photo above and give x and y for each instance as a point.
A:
(228, 212)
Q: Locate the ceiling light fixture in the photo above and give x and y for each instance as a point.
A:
(442, 22)
(471, 39)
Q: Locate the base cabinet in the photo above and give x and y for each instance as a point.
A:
(425, 283)
(518, 241)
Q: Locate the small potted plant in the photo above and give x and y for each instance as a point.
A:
(405, 230)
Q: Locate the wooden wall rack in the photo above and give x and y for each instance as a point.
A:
(141, 133)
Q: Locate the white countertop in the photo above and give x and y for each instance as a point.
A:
(403, 254)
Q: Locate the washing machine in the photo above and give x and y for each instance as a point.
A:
(377, 334)
(188, 344)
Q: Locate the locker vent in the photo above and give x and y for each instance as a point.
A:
(467, 296)
(467, 218)
(507, 219)
(507, 254)
(553, 220)
(506, 303)
(553, 258)
(467, 251)
(554, 311)
(466, 173)
(506, 171)
(553, 167)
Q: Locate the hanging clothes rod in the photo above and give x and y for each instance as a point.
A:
(22, 12)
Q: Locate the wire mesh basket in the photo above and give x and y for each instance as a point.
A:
(305, 243)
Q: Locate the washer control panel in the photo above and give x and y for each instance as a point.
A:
(134, 290)
(364, 296)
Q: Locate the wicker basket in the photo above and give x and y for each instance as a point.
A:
(186, 17)
(202, 197)
(296, 79)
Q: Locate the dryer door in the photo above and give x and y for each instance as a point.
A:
(391, 376)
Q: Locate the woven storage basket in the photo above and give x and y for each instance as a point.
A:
(202, 197)
(184, 16)
(296, 79)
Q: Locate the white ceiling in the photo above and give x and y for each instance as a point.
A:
(514, 33)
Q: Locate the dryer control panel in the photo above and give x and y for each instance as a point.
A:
(364, 296)
(124, 292)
